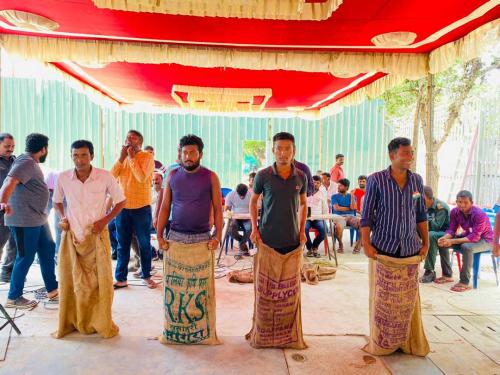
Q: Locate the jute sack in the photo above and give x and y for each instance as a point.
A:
(310, 274)
(85, 285)
(277, 321)
(326, 273)
(189, 294)
(395, 315)
(240, 276)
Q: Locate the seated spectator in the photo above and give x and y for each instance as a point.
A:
(238, 202)
(251, 178)
(344, 204)
(327, 188)
(438, 216)
(359, 192)
(318, 205)
(469, 231)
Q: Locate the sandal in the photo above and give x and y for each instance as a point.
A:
(118, 286)
(459, 287)
(443, 280)
(149, 283)
(309, 254)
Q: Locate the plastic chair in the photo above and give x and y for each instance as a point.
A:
(225, 191)
(476, 262)
(353, 231)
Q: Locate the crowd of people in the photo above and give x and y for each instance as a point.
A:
(395, 215)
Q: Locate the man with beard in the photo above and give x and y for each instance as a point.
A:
(134, 171)
(191, 191)
(6, 160)
(359, 192)
(24, 197)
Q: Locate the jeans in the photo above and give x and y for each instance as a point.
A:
(57, 219)
(136, 220)
(430, 260)
(241, 225)
(319, 225)
(468, 249)
(112, 235)
(10, 253)
(31, 240)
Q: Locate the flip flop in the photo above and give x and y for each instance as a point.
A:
(116, 286)
(459, 287)
(150, 283)
(443, 280)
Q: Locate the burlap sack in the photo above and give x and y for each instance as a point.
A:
(395, 315)
(189, 295)
(277, 321)
(309, 273)
(240, 276)
(85, 285)
(326, 273)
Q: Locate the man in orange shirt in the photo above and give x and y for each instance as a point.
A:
(134, 171)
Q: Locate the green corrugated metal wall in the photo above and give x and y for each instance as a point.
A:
(55, 109)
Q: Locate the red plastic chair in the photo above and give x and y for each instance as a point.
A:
(325, 241)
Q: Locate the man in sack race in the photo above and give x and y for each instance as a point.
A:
(191, 192)
(85, 274)
(394, 210)
(280, 238)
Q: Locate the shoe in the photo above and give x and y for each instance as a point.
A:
(310, 253)
(21, 303)
(243, 248)
(428, 277)
(315, 253)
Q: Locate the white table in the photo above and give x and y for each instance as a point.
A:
(328, 218)
(228, 216)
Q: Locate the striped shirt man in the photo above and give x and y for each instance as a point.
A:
(393, 213)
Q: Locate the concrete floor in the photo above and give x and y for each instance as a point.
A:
(335, 322)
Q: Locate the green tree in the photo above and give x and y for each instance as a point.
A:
(451, 87)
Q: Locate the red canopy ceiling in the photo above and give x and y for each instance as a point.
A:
(353, 24)
(351, 27)
(153, 83)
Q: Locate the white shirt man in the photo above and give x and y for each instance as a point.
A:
(86, 200)
(327, 188)
(318, 204)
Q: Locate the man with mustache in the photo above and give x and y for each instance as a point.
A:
(134, 171)
(191, 192)
(7, 158)
(23, 198)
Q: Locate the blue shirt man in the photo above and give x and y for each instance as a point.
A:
(394, 208)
